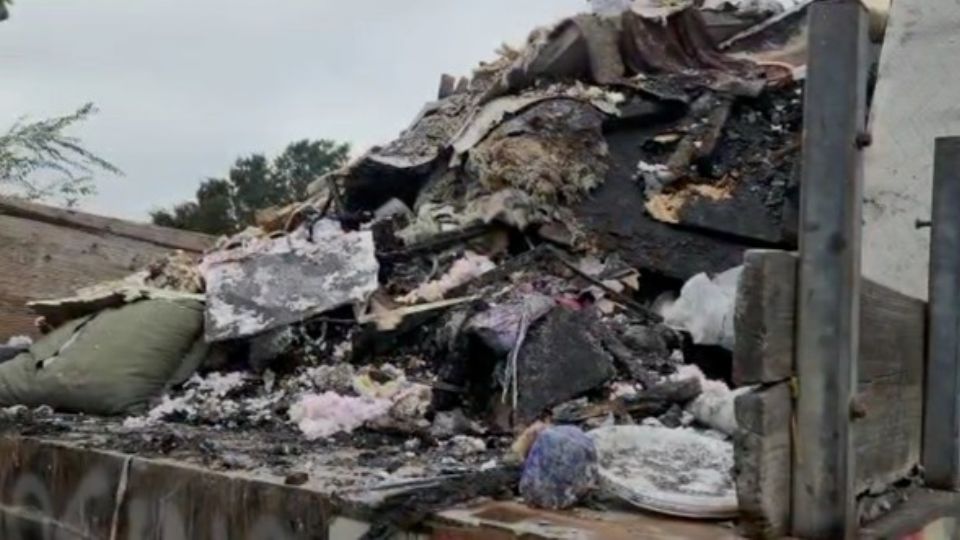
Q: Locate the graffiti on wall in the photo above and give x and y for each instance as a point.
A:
(32, 511)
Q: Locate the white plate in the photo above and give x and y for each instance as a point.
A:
(680, 472)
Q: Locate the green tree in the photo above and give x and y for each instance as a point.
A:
(39, 161)
(254, 187)
(224, 206)
(212, 211)
(297, 166)
(215, 206)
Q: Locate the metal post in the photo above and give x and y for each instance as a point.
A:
(941, 425)
(829, 272)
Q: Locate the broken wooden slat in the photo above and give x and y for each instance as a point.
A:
(703, 136)
(829, 274)
(160, 236)
(742, 213)
(652, 401)
(762, 454)
(764, 319)
(941, 436)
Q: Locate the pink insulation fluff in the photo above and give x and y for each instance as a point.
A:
(322, 415)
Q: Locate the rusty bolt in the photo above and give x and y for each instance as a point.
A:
(857, 408)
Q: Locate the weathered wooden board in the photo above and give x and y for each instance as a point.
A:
(152, 234)
(887, 441)
(828, 276)
(764, 318)
(941, 447)
(40, 259)
(763, 454)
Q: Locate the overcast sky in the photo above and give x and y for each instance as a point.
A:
(186, 86)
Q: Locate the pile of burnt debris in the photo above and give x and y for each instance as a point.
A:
(535, 280)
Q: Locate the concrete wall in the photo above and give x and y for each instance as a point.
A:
(915, 101)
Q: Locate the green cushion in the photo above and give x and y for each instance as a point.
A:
(110, 362)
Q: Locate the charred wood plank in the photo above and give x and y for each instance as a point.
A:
(652, 401)
(614, 216)
(702, 140)
(742, 168)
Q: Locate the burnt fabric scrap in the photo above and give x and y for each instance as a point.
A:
(610, 51)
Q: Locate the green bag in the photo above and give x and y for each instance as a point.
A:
(110, 362)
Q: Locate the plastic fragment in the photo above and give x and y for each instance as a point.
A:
(705, 309)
